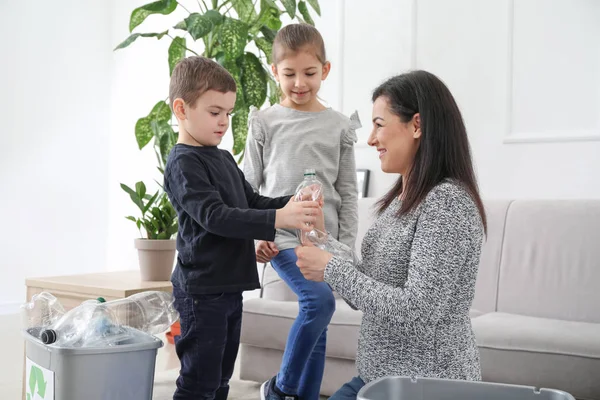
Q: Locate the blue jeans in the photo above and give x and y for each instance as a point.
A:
(349, 391)
(303, 360)
(208, 344)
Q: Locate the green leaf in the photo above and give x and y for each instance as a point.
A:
(305, 14)
(176, 52)
(315, 5)
(215, 17)
(274, 94)
(239, 126)
(158, 7)
(268, 33)
(199, 25)
(181, 25)
(143, 132)
(128, 189)
(266, 46)
(254, 81)
(134, 36)
(233, 38)
(270, 15)
(166, 139)
(235, 71)
(143, 127)
(131, 218)
(135, 198)
(245, 10)
(150, 202)
(290, 7)
(140, 189)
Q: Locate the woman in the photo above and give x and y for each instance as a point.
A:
(416, 282)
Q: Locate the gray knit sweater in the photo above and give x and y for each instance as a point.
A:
(283, 142)
(415, 286)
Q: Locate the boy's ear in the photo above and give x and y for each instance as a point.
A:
(274, 70)
(179, 108)
(326, 69)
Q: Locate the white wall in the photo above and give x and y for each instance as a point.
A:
(54, 106)
(526, 74)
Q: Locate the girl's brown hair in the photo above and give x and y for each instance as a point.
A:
(295, 37)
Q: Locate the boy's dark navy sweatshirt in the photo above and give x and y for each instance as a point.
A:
(220, 215)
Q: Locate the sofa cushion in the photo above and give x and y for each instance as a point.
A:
(551, 260)
(540, 352)
(266, 323)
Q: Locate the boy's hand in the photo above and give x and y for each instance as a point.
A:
(308, 194)
(297, 215)
(320, 219)
(265, 251)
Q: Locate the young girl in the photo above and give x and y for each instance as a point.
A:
(284, 140)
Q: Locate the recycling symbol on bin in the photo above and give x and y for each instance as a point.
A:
(36, 378)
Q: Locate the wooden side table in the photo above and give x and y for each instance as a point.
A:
(72, 290)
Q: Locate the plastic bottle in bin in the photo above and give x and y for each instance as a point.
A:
(69, 330)
(152, 311)
(309, 189)
(43, 310)
(98, 323)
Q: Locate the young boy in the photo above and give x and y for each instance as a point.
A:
(220, 215)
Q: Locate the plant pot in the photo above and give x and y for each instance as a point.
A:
(157, 258)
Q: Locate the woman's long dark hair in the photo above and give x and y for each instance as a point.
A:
(444, 148)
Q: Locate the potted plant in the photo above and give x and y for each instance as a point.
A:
(157, 225)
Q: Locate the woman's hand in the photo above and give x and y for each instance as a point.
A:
(312, 262)
(265, 251)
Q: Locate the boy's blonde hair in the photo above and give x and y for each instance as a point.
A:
(193, 76)
(294, 37)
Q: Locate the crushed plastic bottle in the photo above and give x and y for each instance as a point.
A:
(310, 189)
(325, 242)
(151, 312)
(43, 310)
(69, 330)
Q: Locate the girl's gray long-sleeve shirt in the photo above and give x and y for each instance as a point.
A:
(283, 142)
(415, 286)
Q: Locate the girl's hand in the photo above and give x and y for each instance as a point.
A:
(265, 251)
(312, 262)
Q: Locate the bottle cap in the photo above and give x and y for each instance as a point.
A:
(101, 300)
(309, 171)
(48, 336)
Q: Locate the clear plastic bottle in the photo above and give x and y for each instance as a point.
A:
(69, 330)
(325, 242)
(43, 310)
(151, 312)
(309, 189)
